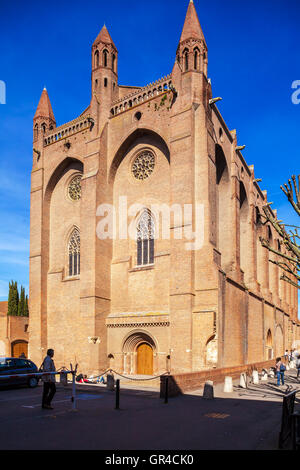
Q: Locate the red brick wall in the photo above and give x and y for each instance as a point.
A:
(181, 383)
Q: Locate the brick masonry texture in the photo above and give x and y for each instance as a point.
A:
(12, 330)
(222, 305)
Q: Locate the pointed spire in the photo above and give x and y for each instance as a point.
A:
(192, 27)
(44, 108)
(105, 37)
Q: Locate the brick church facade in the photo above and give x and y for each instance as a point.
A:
(147, 304)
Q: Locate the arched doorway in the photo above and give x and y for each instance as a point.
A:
(19, 348)
(144, 359)
(138, 354)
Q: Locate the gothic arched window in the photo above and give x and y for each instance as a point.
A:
(145, 239)
(74, 253)
(36, 131)
(196, 58)
(105, 57)
(97, 59)
(186, 59)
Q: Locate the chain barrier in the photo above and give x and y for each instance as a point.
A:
(95, 377)
(139, 379)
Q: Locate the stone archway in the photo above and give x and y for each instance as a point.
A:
(138, 354)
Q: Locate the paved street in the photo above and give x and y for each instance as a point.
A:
(243, 420)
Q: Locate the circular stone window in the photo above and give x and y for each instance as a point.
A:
(143, 165)
(74, 188)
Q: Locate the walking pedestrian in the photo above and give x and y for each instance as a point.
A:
(49, 389)
(286, 356)
(280, 369)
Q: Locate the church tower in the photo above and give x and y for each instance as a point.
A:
(44, 119)
(104, 71)
(191, 60)
(192, 48)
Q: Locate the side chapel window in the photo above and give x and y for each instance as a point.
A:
(145, 239)
(74, 253)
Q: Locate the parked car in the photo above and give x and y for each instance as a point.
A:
(16, 367)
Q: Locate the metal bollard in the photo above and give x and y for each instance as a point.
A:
(73, 390)
(117, 394)
(208, 391)
(167, 391)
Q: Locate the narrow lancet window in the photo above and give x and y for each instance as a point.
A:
(74, 253)
(145, 239)
(105, 58)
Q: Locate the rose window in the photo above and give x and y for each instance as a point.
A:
(74, 189)
(143, 165)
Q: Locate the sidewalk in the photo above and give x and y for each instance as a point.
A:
(247, 419)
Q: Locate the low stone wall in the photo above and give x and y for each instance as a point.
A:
(180, 383)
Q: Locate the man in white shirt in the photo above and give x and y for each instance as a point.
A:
(49, 380)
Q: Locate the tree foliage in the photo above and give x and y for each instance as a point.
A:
(17, 304)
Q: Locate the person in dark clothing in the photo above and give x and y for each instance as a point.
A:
(49, 389)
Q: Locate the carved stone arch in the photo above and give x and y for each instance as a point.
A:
(135, 337)
(141, 135)
(139, 348)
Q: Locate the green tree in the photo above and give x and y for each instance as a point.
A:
(17, 304)
(21, 305)
(26, 307)
(13, 299)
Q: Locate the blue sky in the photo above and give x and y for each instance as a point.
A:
(254, 56)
